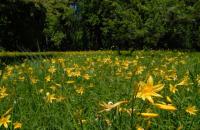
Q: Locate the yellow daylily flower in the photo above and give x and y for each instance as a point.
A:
(191, 110)
(50, 97)
(110, 106)
(3, 92)
(52, 69)
(48, 78)
(148, 90)
(80, 90)
(17, 125)
(172, 88)
(139, 70)
(5, 121)
(86, 76)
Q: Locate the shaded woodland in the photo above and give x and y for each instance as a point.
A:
(61, 25)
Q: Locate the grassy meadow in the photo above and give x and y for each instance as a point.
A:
(149, 90)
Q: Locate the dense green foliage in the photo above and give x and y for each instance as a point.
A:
(40, 25)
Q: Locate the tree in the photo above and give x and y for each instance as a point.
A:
(22, 25)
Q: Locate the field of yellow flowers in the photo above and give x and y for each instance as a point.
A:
(149, 90)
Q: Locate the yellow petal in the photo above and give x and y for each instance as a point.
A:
(150, 80)
(168, 99)
(150, 99)
(166, 107)
(149, 114)
(158, 87)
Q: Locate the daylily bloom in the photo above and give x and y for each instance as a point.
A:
(17, 125)
(86, 76)
(139, 70)
(148, 90)
(3, 92)
(172, 88)
(191, 110)
(5, 121)
(52, 69)
(48, 78)
(50, 97)
(110, 106)
(80, 90)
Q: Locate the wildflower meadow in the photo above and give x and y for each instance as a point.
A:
(100, 90)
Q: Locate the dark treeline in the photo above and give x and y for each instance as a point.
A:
(45, 25)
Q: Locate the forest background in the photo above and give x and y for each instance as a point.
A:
(61, 25)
